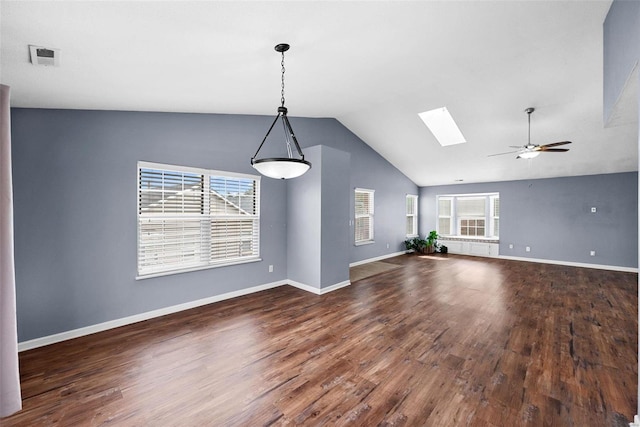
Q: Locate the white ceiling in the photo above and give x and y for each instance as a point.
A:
(372, 65)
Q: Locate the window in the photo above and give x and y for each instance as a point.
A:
(495, 209)
(445, 211)
(470, 212)
(412, 215)
(191, 218)
(471, 227)
(364, 216)
(469, 215)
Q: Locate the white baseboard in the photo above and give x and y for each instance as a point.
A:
(318, 291)
(572, 264)
(87, 330)
(335, 287)
(378, 258)
(92, 329)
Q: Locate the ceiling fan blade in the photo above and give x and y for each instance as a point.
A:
(553, 150)
(516, 146)
(502, 154)
(555, 144)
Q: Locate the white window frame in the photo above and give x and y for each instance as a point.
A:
(414, 215)
(460, 218)
(456, 221)
(449, 217)
(210, 223)
(472, 218)
(493, 217)
(370, 215)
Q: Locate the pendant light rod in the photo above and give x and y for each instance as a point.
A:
(291, 134)
(282, 113)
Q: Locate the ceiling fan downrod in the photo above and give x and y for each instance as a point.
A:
(529, 111)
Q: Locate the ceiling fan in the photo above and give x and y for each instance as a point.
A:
(530, 150)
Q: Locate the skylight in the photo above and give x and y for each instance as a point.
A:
(442, 126)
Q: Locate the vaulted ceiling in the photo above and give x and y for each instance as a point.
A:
(372, 65)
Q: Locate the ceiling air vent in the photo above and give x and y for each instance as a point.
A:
(44, 56)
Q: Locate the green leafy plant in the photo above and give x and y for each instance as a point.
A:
(432, 238)
(415, 244)
(427, 245)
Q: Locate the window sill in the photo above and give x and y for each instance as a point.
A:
(366, 242)
(188, 270)
(471, 239)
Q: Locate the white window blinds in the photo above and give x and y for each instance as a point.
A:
(233, 207)
(412, 215)
(363, 216)
(495, 231)
(469, 215)
(444, 215)
(471, 206)
(190, 218)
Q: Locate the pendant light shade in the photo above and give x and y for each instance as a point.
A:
(282, 167)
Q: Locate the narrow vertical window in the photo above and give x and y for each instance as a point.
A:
(495, 216)
(412, 215)
(363, 216)
(445, 213)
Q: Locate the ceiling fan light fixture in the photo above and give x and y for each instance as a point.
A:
(530, 150)
(528, 155)
(282, 167)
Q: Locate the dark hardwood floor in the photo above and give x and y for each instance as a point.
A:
(443, 341)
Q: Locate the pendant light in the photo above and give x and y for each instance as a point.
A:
(282, 167)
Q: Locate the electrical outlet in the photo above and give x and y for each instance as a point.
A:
(593, 209)
(592, 253)
(510, 245)
(387, 246)
(528, 249)
(271, 269)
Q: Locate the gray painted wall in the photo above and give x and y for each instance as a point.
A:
(304, 222)
(553, 217)
(335, 217)
(372, 171)
(318, 220)
(621, 49)
(74, 175)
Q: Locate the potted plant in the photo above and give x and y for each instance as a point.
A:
(416, 244)
(431, 241)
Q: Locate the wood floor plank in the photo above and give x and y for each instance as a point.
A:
(434, 340)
